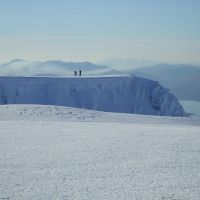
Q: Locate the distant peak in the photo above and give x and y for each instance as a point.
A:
(17, 60)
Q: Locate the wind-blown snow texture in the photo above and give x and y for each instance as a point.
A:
(127, 94)
(50, 152)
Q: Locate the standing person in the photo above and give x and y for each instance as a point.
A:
(79, 72)
(75, 73)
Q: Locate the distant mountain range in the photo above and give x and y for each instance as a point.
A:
(51, 68)
(182, 80)
(129, 63)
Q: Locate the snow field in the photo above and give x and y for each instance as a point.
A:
(62, 159)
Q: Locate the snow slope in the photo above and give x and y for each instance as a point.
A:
(50, 152)
(23, 112)
(126, 94)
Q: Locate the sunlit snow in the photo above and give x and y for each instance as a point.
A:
(50, 152)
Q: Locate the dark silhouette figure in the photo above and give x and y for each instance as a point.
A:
(75, 73)
(79, 72)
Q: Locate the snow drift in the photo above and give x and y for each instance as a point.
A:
(126, 94)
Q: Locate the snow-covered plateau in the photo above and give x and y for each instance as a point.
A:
(125, 94)
(52, 152)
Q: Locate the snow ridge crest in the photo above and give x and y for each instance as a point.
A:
(125, 94)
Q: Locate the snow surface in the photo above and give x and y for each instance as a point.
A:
(50, 152)
(125, 94)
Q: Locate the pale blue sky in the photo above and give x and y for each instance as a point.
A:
(163, 30)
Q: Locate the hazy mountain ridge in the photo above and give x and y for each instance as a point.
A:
(51, 67)
(183, 80)
(129, 63)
